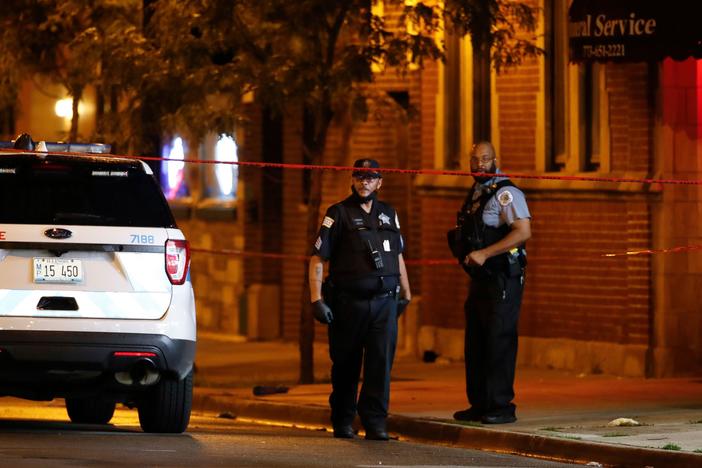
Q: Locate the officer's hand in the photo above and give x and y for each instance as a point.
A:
(401, 306)
(476, 257)
(322, 313)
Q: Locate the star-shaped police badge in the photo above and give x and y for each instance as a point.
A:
(384, 219)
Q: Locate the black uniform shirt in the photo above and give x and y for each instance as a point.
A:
(340, 243)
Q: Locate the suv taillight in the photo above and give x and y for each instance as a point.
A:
(177, 260)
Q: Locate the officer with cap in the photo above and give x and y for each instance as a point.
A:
(492, 228)
(365, 291)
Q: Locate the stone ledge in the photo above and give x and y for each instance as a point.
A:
(591, 357)
(454, 183)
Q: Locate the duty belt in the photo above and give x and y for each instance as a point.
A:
(367, 296)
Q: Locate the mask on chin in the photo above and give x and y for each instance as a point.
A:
(492, 171)
(358, 198)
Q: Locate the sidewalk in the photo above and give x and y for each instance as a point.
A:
(561, 416)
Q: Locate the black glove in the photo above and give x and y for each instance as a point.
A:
(322, 313)
(401, 306)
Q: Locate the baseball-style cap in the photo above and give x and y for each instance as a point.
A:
(369, 163)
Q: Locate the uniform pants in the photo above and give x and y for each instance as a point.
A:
(492, 314)
(363, 332)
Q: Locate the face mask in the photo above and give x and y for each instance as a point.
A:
(360, 199)
(491, 170)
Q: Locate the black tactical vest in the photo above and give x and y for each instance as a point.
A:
(477, 235)
(368, 247)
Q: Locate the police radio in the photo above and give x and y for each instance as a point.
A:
(375, 256)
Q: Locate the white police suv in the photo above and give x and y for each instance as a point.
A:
(96, 304)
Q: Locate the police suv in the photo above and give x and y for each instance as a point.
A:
(96, 303)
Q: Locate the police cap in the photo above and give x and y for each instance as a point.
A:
(366, 163)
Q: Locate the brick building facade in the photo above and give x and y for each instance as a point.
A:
(625, 314)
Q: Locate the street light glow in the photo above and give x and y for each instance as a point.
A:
(64, 108)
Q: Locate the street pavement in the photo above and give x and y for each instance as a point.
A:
(561, 416)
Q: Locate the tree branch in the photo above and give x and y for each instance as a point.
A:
(248, 41)
(334, 32)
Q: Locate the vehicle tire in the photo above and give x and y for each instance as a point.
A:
(90, 410)
(166, 408)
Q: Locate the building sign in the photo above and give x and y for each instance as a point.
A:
(634, 30)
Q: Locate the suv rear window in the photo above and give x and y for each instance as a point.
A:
(79, 191)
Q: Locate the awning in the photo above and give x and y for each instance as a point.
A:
(634, 30)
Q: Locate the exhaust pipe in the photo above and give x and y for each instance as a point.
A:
(143, 372)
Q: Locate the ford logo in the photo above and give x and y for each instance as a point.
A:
(58, 233)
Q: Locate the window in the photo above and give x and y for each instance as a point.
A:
(576, 102)
(211, 183)
(71, 191)
(173, 180)
(556, 61)
(220, 180)
(593, 121)
(455, 109)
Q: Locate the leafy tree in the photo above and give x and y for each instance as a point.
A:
(318, 56)
(74, 43)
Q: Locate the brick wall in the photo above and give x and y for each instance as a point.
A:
(444, 288)
(516, 106)
(629, 117)
(678, 276)
(217, 279)
(574, 292)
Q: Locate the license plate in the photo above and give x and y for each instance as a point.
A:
(57, 270)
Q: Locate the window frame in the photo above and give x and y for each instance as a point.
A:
(454, 114)
(579, 141)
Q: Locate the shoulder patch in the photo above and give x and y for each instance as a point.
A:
(505, 198)
(328, 222)
(318, 243)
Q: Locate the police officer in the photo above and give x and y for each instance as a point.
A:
(365, 291)
(493, 225)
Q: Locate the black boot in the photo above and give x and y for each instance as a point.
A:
(499, 418)
(377, 433)
(344, 432)
(470, 414)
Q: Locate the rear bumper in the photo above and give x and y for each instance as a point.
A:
(58, 352)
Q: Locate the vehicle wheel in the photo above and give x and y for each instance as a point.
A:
(90, 410)
(167, 407)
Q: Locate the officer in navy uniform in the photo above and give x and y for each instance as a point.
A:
(493, 226)
(365, 291)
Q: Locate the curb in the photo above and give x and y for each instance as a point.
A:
(456, 435)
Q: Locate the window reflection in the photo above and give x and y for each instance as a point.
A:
(173, 170)
(226, 174)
